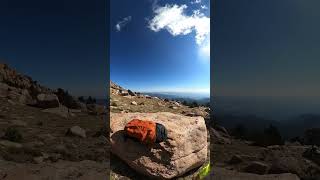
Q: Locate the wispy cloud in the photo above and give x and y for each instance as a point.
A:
(173, 19)
(204, 7)
(196, 2)
(122, 23)
(154, 4)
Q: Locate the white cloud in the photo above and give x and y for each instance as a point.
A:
(176, 22)
(205, 49)
(196, 2)
(122, 23)
(204, 7)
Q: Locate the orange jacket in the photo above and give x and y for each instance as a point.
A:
(144, 131)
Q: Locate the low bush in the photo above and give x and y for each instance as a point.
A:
(12, 134)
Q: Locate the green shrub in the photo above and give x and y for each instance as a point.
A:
(272, 136)
(66, 99)
(13, 134)
(194, 104)
(81, 99)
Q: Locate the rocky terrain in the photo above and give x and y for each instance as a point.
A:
(246, 157)
(48, 134)
(230, 157)
(180, 157)
(45, 136)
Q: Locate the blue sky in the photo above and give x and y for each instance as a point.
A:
(58, 43)
(266, 48)
(160, 46)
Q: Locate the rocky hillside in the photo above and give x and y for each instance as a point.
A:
(124, 100)
(181, 156)
(12, 78)
(231, 158)
(42, 137)
(244, 156)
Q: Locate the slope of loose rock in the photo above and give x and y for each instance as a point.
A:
(61, 170)
(185, 149)
(238, 155)
(231, 157)
(224, 174)
(44, 142)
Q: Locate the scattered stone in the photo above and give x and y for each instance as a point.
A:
(61, 149)
(176, 103)
(113, 103)
(114, 107)
(11, 102)
(221, 174)
(54, 157)
(18, 123)
(313, 153)
(221, 129)
(185, 149)
(10, 144)
(257, 168)
(199, 112)
(3, 90)
(46, 137)
(83, 107)
(131, 93)
(124, 94)
(95, 109)
(173, 107)
(77, 131)
(274, 147)
(286, 164)
(75, 110)
(45, 155)
(72, 145)
(134, 103)
(191, 114)
(61, 111)
(235, 159)
(218, 138)
(36, 144)
(38, 160)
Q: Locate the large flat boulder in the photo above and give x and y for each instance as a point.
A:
(47, 101)
(185, 148)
